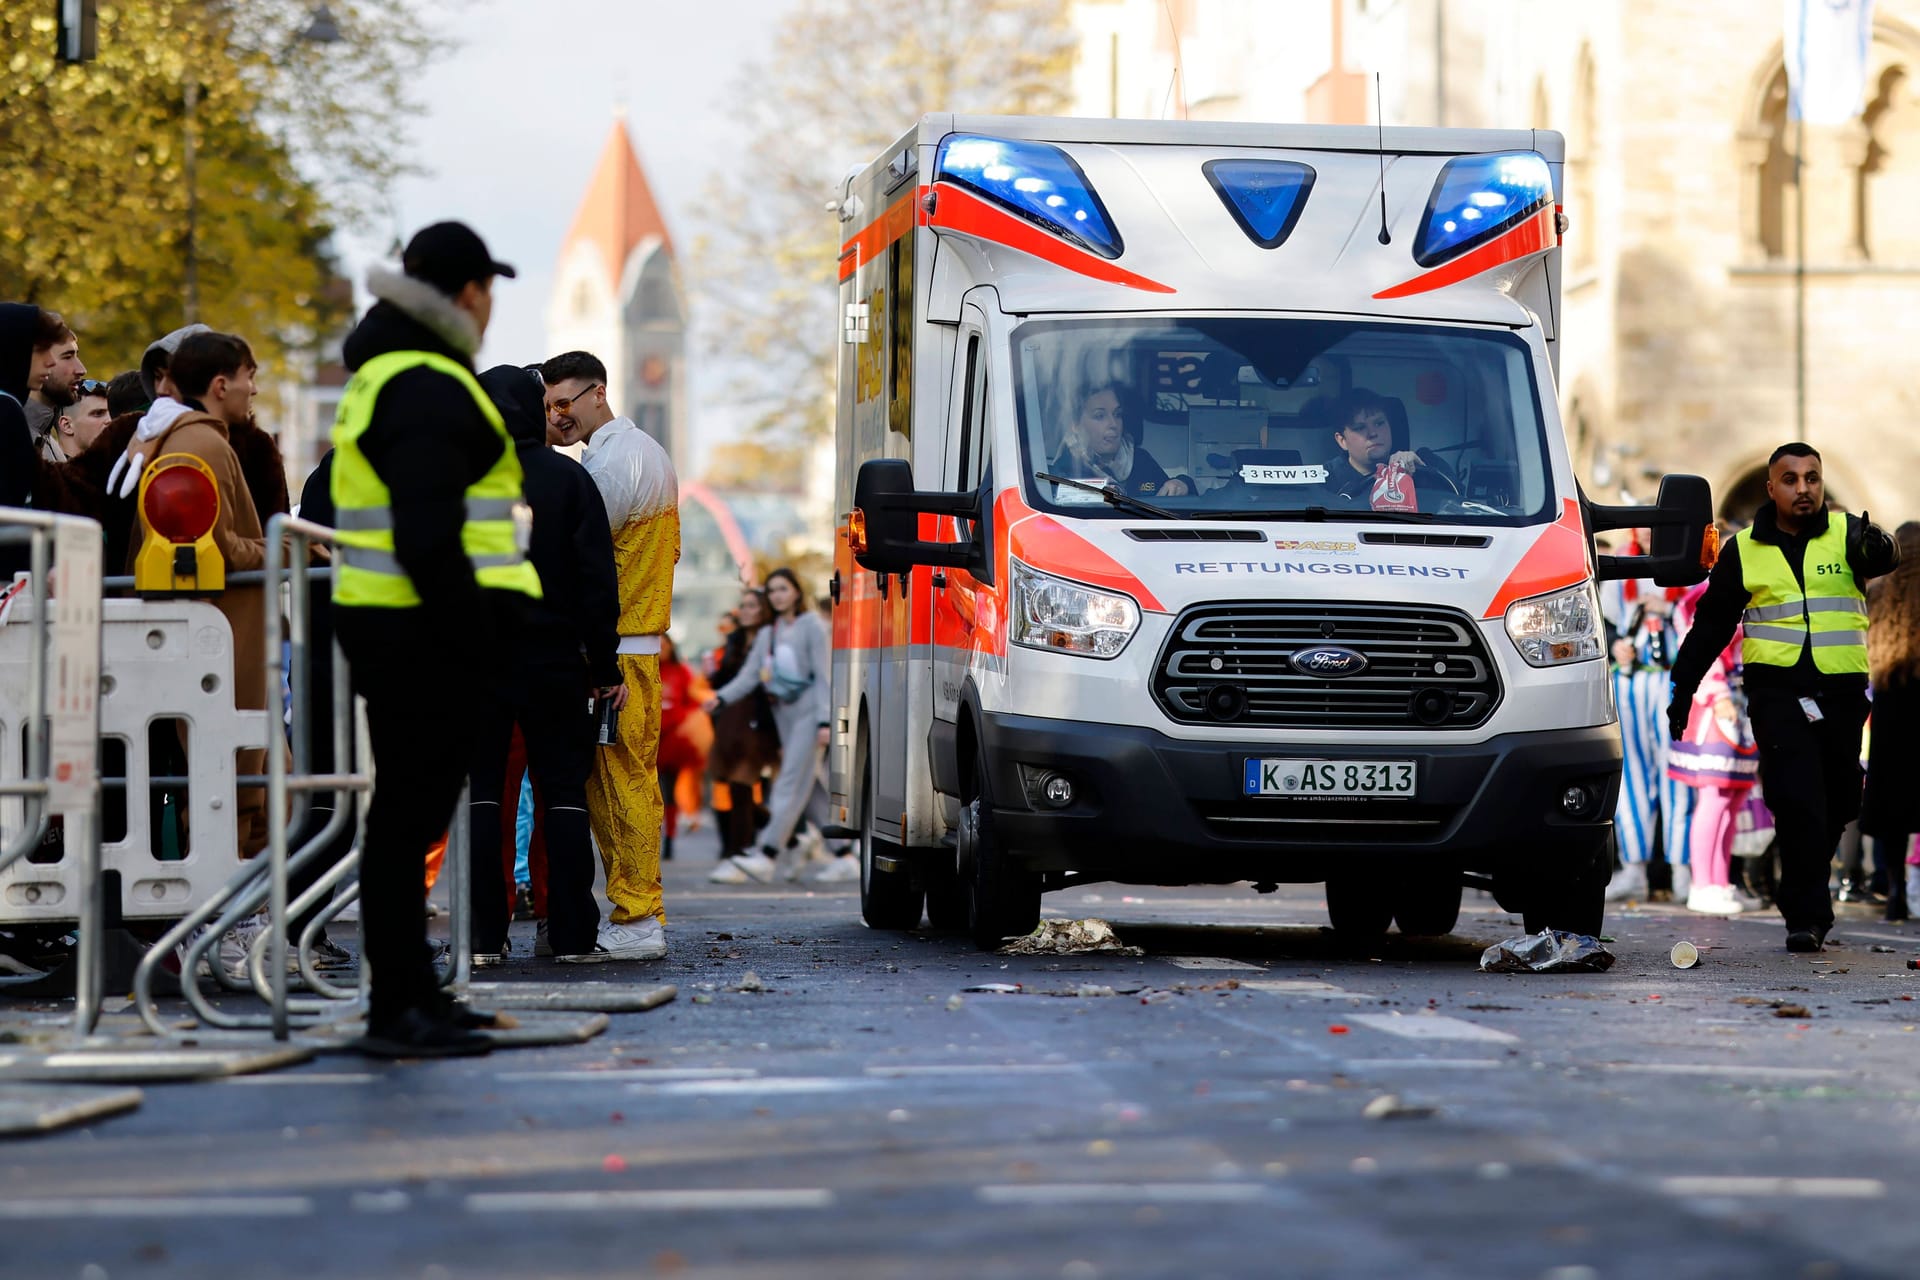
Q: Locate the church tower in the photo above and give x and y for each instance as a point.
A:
(616, 293)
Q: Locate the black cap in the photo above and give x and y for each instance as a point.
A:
(448, 254)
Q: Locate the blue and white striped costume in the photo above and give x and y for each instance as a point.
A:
(1646, 792)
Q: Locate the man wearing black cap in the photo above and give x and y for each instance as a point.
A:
(430, 566)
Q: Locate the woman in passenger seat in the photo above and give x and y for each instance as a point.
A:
(1097, 448)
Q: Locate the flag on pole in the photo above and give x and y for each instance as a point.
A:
(1826, 52)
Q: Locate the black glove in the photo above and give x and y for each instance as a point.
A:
(1858, 533)
(1678, 713)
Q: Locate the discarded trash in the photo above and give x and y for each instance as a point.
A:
(1790, 1011)
(614, 1164)
(1337, 1029)
(1549, 951)
(1882, 948)
(955, 1002)
(1093, 989)
(1388, 1106)
(996, 988)
(1684, 955)
(750, 981)
(1069, 937)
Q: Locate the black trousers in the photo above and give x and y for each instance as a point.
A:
(421, 711)
(1810, 774)
(553, 707)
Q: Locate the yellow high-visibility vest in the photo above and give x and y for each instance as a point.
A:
(366, 572)
(1780, 616)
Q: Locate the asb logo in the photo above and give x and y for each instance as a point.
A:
(1329, 662)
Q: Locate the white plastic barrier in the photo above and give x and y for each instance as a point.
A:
(163, 660)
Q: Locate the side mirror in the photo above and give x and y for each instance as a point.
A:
(884, 525)
(1685, 542)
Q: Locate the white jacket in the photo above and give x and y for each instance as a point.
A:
(633, 473)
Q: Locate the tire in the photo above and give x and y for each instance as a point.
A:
(1426, 901)
(1357, 906)
(1573, 900)
(888, 899)
(1003, 900)
(949, 908)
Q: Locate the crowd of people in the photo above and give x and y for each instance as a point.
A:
(1742, 705)
(503, 609)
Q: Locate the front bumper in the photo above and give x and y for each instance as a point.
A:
(1151, 809)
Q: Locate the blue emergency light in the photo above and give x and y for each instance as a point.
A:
(1040, 183)
(1265, 197)
(1478, 197)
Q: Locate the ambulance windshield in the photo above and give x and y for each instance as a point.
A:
(1220, 419)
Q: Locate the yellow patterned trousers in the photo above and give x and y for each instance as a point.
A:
(623, 797)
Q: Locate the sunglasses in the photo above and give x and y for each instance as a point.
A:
(90, 387)
(565, 404)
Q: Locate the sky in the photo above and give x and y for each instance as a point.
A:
(514, 119)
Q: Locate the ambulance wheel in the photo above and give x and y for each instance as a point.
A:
(949, 906)
(1573, 900)
(1003, 900)
(1357, 907)
(888, 899)
(1426, 901)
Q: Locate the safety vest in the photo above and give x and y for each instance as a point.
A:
(366, 572)
(1779, 614)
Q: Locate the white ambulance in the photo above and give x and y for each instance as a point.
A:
(1207, 517)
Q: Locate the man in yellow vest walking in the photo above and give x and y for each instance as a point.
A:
(430, 570)
(1794, 582)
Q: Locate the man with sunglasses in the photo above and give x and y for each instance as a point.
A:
(81, 422)
(642, 496)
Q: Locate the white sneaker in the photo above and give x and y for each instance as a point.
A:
(238, 944)
(642, 940)
(1714, 900)
(1748, 901)
(1629, 882)
(1682, 880)
(839, 870)
(743, 867)
(809, 851)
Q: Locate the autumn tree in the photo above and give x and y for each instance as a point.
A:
(284, 139)
(847, 79)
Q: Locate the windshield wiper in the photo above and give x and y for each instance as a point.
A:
(1114, 497)
(1320, 515)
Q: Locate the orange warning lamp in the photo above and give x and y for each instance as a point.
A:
(179, 504)
(857, 531)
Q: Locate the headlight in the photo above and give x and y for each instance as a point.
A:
(1562, 627)
(1053, 613)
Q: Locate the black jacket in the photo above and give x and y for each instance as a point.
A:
(1870, 553)
(428, 442)
(579, 612)
(17, 322)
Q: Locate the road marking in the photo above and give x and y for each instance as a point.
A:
(1123, 1193)
(1312, 990)
(975, 1068)
(312, 1077)
(380, 1201)
(1428, 1064)
(158, 1207)
(758, 1087)
(648, 1201)
(1211, 962)
(1808, 1188)
(627, 1074)
(1437, 1026)
(1724, 1069)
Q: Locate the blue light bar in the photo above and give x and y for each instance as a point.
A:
(1040, 183)
(1265, 197)
(1477, 198)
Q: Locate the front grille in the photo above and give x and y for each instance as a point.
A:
(1395, 538)
(1427, 668)
(1196, 535)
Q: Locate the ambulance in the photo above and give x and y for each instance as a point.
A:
(1206, 516)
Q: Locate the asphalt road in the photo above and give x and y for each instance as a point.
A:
(1246, 1099)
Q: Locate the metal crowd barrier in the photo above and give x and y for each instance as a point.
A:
(60, 714)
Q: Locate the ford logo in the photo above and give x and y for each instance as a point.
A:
(1329, 662)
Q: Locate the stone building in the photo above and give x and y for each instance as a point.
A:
(1683, 280)
(617, 293)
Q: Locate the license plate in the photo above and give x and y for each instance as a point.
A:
(1388, 778)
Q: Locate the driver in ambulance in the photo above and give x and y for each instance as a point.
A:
(1364, 431)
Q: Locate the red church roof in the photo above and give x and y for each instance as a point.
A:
(618, 211)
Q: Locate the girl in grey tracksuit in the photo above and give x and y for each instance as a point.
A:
(792, 660)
